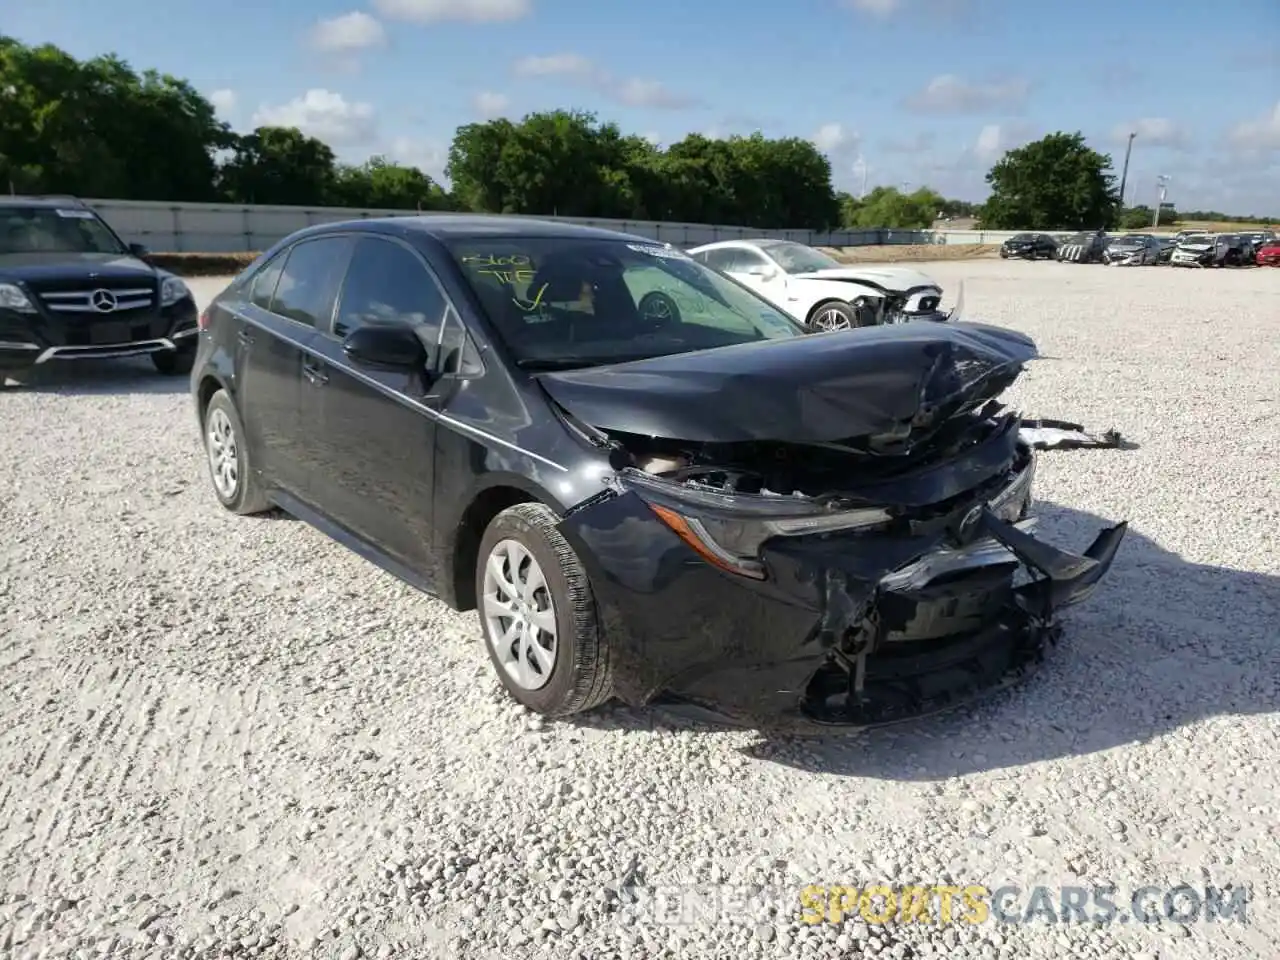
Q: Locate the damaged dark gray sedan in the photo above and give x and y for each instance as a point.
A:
(650, 483)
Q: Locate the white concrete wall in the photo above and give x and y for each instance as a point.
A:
(227, 228)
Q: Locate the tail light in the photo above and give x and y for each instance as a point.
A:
(203, 322)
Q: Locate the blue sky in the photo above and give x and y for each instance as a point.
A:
(913, 91)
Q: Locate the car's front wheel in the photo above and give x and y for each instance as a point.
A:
(538, 614)
(234, 483)
(834, 315)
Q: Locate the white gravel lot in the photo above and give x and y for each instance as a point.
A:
(225, 736)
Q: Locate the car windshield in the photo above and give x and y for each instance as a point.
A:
(54, 230)
(797, 258)
(1133, 238)
(566, 302)
(1021, 238)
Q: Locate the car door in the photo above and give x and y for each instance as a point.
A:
(287, 300)
(752, 269)
(374, 477)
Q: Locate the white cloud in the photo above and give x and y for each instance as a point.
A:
(325, 115)
(653, 138)
(556, 65)
(877, 8)
(224, 101)
(455, 11)
(916, 143)
(834, 138)
(348, 33)
(650, 93)
(489, 104)
(995, 140)
(951, 94)
(632, 92)
(1260, 134)
(1152, 132)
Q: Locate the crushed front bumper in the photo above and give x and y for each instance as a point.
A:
(843, 633)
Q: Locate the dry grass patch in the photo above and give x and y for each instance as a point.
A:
(910, 252)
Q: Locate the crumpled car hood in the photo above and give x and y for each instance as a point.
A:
(895, 279)
(819, 388)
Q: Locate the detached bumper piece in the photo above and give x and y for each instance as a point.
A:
(952, 625)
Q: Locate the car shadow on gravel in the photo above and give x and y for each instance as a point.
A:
(1161, 644)
(98, 378)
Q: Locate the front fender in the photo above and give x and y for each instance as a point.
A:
(809, 293)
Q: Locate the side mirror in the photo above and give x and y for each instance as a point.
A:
(139, 250)
(387, 346)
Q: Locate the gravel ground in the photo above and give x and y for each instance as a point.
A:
(224, 736)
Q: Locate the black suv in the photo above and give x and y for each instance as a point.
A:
(71, 289)
(646, 479)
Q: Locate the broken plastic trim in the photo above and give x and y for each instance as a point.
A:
(728, 530)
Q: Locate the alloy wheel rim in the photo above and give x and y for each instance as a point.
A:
(520, 615)
(831, 320)
(224, 454)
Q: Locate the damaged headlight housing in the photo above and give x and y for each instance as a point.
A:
(728, 530)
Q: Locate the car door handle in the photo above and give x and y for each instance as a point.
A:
(314, 372)
(245, 337)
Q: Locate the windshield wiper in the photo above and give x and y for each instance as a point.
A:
(574, 363)
(560, 363)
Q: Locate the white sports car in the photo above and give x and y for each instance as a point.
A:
(821, 292)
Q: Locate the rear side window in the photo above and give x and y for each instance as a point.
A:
(309, 282)
(262, 286)
(388, 284)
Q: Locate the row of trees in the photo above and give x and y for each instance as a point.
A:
(98, 128)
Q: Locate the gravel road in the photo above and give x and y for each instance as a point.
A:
(225, 736)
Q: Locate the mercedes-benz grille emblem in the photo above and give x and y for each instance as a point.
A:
(104, 301)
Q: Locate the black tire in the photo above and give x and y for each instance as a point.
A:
(580, 677)
(842, 309)
(247, 497)
(175, 363)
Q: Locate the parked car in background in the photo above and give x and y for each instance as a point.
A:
(821, 292)
(1083, 248)
(71, 289)
(647, 480)
(1029, 246)
(1165, 253)
(1214, 250)
(1259, 237)
(1182, 235)
(1268, 254)
(1133, 250)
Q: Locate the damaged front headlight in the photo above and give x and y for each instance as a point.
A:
(729, 529)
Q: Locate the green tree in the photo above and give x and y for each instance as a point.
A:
(890, 208)
(92, 128)
(1054, 183)
(381, 184)
(279, 165)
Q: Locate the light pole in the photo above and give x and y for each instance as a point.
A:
(1124, 174)
(1162, 182)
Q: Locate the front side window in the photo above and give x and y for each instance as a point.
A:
(797, 258)
(54, 230)
(563, 302)
(388, 284)
(308, 284)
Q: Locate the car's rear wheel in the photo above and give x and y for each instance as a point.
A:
(175, 362)
(234, 483)
(538, 614)
(834, 315)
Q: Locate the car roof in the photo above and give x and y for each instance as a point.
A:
(8, 200)
(448, 226)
